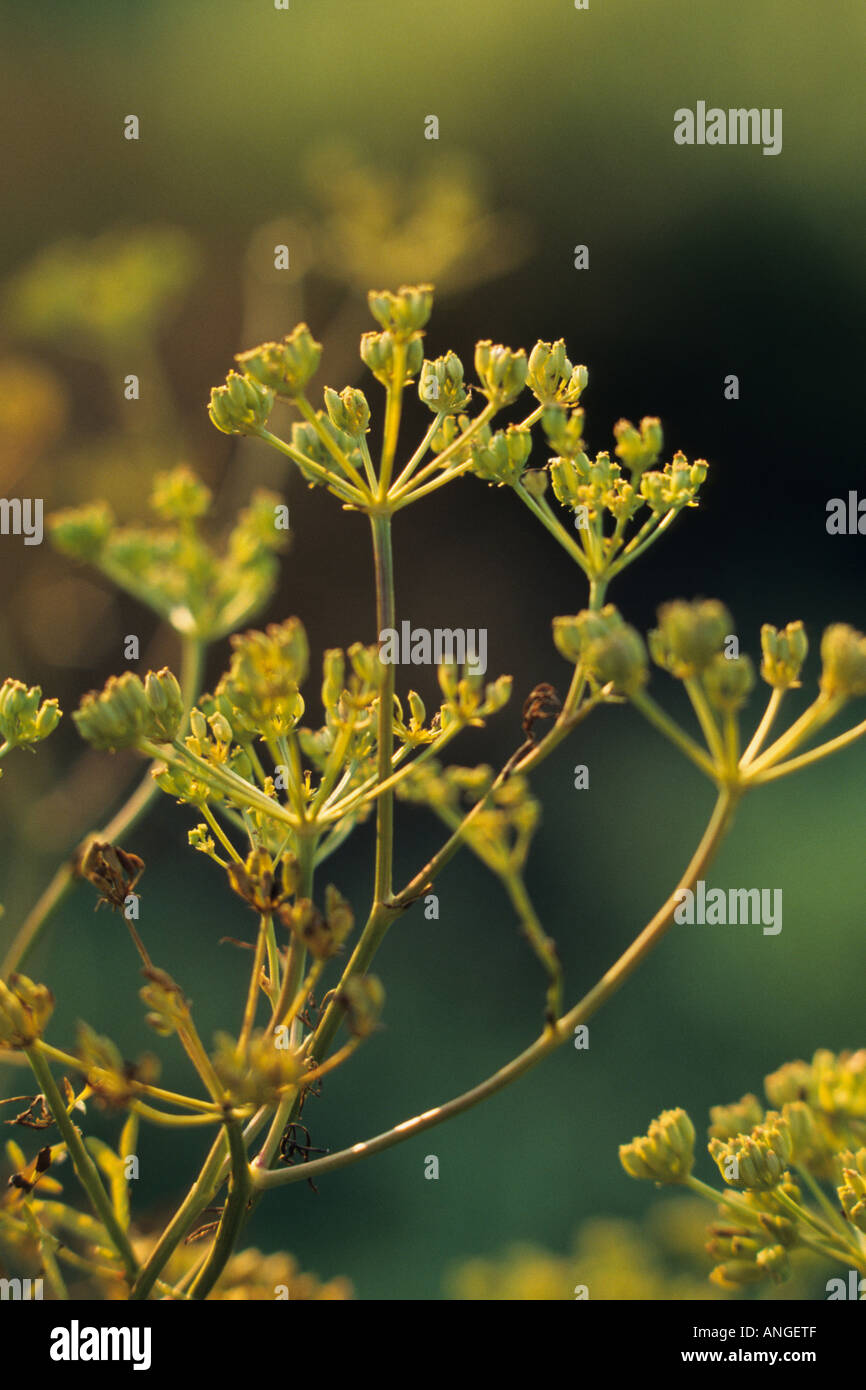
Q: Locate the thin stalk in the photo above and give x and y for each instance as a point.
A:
(255, 983)
(132, 810)
(657, 717)
(85, 1168)
(337, 486)
(706, 718)
(767, 721)
(608, 985)
(813, 756)
(233, 1216)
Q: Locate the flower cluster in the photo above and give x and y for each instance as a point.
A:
(771, 1162)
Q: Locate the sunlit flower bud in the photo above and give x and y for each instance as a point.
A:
(25, 1008)
(843, 653)
(242, 406)
(81, 532)
(638, 450)
(285, 367)
(665, 1153)
(501, 371)
(348, 411)
(440, 385)
(551, 377)
(165, 701)
(24, 716)
(180, 495)
(784, 654)
(115, 717)
(503, 459)
(728, 682)
(689, 635)
(403, 313)
(727, 1121)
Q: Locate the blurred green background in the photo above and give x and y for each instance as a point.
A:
(556, 129)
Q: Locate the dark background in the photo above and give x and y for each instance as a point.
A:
(556, 128)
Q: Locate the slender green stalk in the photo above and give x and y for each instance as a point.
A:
(85, 1168)
(233, 1216)
(564, 1028)
(132, 810)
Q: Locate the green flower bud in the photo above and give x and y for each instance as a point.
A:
(551, 377)
(503, 459)
(501, 371)
(843, 653)
(570, 476)
(610, 650)
(440, 385)
(727, 1121)
(689, 635)
(165, 701)
(564, 429)
(81, 532)
(25, 1009)
(180, 495)
(220, 728)
(638, 450)
(242, 406)
(728, 682)
(201, 839)
(782, 1230)
(675, 486)
(735, 1273)
(348, 411)
(784, 654)
(756, 1161)
(377, 353)
(261, 684)
(852, 1195)
(24, 716)
(286, 367)
(365, 663)
(666, 1153)
(793, 1081)
(115, 717)
(404, 313)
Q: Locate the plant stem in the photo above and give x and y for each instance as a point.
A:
(85, 1168)
(132, 810)
(763, 729)
(608, 985)
(233, 1215)
(657, 717)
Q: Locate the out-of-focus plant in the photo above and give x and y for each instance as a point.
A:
(657, 1259)
(274, 794)
(794, 1175)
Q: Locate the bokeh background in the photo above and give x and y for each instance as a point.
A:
(156, 257)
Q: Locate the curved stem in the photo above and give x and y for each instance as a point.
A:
(609, 983)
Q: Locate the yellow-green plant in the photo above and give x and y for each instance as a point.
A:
(781, 1170)
(274, 796)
